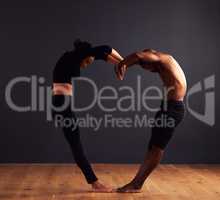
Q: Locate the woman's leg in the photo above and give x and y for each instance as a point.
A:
(72, 136)
(73, 139)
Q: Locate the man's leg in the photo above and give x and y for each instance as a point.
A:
(151, 161)
(159, 139)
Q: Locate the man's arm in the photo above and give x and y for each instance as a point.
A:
(146, 56)
(149, 56)
(130, 60)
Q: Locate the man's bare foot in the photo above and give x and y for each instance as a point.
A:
(129, 188)
(101, 188)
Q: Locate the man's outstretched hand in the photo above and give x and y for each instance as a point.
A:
(120, 70)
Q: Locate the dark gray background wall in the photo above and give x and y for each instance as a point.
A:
(35, 33)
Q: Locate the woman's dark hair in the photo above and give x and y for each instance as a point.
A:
(82, 47)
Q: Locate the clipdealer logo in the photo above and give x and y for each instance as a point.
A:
(208, 117)
(41, 97)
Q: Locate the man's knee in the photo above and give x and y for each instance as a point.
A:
(161, 137)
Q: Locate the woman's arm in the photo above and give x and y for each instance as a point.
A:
(114, 57)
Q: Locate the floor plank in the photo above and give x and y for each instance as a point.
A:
(65, 181)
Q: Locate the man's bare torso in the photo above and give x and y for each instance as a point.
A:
(171, 74)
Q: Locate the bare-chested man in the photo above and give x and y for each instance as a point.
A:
(172, 107)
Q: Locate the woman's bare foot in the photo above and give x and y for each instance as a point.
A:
(129, 188)
(101, 188)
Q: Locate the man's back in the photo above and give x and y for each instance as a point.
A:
(169, 70)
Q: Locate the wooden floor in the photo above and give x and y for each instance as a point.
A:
(64, 181)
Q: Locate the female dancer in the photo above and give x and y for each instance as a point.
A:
(67, 67)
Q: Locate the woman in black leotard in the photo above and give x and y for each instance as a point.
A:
(67, 67)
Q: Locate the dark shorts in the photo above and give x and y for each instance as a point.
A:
(171, 113)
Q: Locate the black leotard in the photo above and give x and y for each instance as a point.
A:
(68, 65)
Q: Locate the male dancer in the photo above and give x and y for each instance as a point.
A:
(174, 80)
